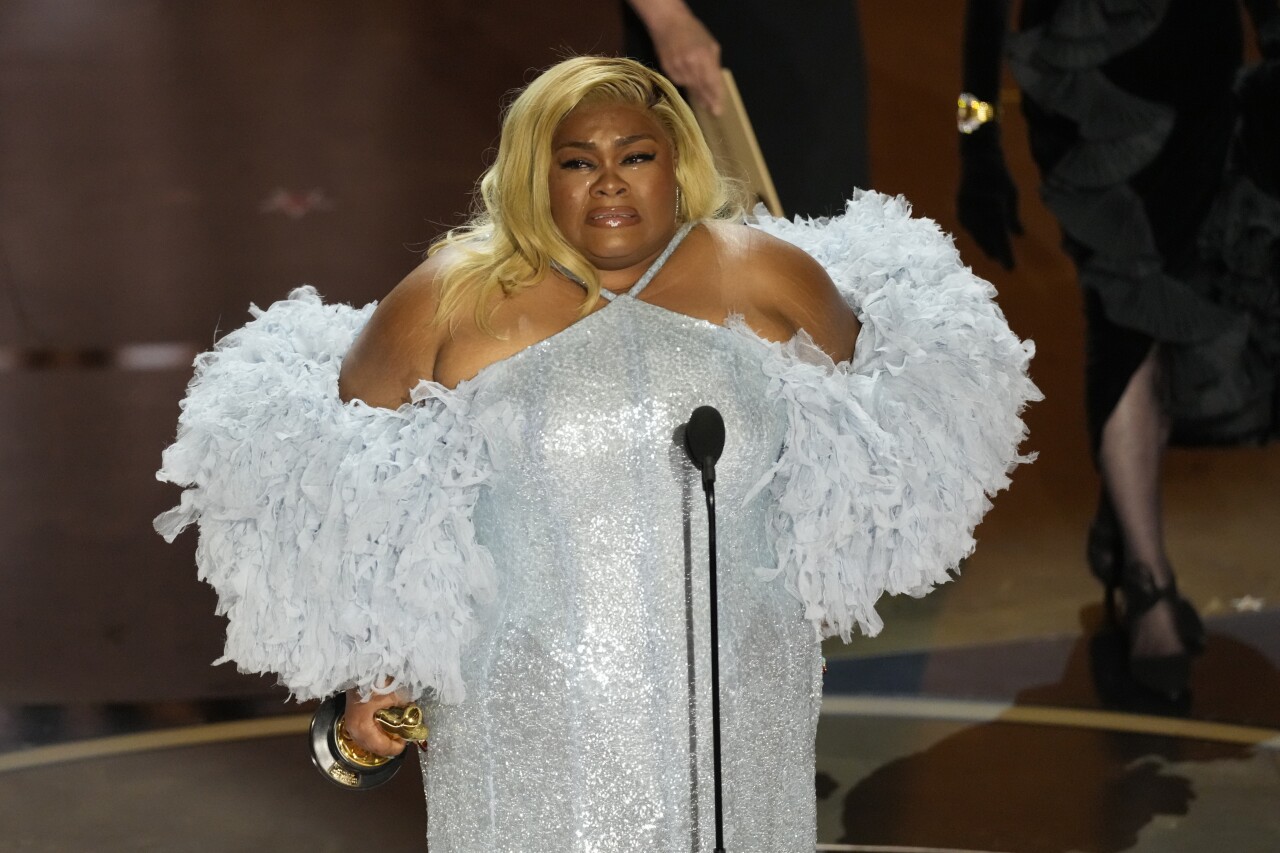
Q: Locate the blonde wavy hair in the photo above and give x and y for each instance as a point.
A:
(511, 239)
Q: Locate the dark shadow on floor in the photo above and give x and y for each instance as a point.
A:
(1039, 789)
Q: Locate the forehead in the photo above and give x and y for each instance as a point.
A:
(602, 123)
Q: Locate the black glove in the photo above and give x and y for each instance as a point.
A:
(1259, 97)
(1265, 15)
(987, 200)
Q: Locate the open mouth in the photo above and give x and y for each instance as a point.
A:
(613, 217)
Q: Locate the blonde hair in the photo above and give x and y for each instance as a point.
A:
(511, 239)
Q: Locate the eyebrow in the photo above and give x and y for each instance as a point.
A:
(621, 142)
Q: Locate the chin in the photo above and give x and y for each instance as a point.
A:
(630, 241)
(612, 254)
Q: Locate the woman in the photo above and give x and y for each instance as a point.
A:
(501, 519)
(1167, 196)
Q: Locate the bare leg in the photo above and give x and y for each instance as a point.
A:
(1134, 438)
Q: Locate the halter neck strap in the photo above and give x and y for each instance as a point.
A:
(609, 295)
(662, 259)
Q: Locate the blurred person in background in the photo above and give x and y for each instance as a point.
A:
(1161, 163)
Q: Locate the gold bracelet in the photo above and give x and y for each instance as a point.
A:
(972, 113)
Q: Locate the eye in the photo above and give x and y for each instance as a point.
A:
(575, 163)
(639, 157)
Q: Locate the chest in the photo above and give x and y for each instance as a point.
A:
(611, 393)
(544, 310)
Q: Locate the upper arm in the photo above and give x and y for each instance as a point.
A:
(788, 291)
(397, 347)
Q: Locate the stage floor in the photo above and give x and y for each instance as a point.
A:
(894, 774)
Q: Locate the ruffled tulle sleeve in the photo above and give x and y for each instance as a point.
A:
(890, 459)
(338, 536)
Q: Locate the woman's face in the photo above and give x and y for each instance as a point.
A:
(613, 185)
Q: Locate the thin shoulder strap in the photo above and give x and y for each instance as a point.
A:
(606, 295)
(662, 259)
(609, 295)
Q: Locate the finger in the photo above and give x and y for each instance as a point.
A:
(993, 241)
(371, 737)
(686, 78)
(1006, 258)
(704, 96)
(706, 87)
(712, 78)
(363, 727)
(1013, 220)
(1002, 249)
(973, 220)
(715, 94)
(391, 746)
(676, 69)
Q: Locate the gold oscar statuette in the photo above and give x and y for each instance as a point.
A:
(344, 762)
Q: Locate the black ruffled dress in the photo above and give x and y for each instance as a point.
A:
(1135, 126)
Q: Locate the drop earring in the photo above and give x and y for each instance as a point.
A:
(677, 204)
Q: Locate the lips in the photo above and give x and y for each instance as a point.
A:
(613, 217)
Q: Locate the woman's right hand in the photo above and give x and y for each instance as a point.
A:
(688, 53)
(364, 730)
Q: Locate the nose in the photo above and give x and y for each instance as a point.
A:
(609, 183)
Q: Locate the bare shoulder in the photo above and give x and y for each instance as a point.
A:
(759, 257)
(780, 289)
(398, 346)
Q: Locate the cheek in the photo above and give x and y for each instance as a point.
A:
(663, 186)
(566, 197)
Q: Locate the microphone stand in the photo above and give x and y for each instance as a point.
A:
(709, 487)
(704, 440)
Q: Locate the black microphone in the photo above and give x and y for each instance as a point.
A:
(704, 441)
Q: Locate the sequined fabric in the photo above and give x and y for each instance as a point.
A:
(587, 725)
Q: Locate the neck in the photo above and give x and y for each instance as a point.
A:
(624, 279)
(621, 280)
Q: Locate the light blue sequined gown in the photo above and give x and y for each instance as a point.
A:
(586, 725)
(530, 548)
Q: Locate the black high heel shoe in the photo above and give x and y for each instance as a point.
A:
(1104, 550)
(1167, 674)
